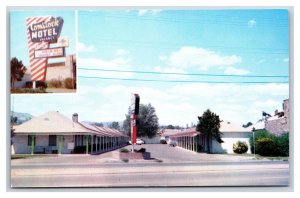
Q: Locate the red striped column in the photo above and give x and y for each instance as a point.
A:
(38, 66)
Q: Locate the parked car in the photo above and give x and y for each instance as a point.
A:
(138, 141)
(172, 143)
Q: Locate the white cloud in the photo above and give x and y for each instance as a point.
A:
(121, 52)
(251, 23)
(81, 47)
(235, 71)
(204, 59)
(171, 70)
(144, 12)
(175, 104)
(112, 64)
(266, 104)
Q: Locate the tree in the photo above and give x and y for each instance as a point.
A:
(17, 71)
(209, 125)
(247, 125)
(147, 122)
(115, 125)
(99, 124)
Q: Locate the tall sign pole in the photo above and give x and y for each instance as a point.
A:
(41, 32)
(134, 110)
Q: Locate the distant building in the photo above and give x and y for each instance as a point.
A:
(280, 122)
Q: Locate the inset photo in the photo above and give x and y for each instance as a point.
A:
(42, 52)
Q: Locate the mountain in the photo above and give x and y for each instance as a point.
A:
(105, 124)
(20, 117)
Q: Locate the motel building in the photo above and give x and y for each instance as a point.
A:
(54, 133)
(192, 140)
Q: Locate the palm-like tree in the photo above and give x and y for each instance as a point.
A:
(17, 71)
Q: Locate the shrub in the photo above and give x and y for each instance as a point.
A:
(283, 144)
(40, 84)
(28, 90)
(163, 141)
(28, 84)
(69, 83)
(266, 147)
(124, 150)
(280, 143)
(240, 147)
(142, 150)
(55, 83)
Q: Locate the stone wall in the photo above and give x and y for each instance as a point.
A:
(278, 126)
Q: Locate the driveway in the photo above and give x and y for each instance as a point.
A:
(159, 152)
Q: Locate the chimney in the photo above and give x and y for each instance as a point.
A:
(75, 117)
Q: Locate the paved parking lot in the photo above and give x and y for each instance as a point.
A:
(161, 152)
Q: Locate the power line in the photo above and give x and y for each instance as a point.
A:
(183, 81)
(186, 74)
(198, 21)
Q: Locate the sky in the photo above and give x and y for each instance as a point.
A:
(235, 45)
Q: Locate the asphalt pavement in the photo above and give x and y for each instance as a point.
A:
(168, 166)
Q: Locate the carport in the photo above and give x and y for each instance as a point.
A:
(186, 139)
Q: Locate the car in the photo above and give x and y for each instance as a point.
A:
(138, 141)
(172, 143)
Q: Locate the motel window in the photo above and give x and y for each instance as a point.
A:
(30, 140)
(52, 140)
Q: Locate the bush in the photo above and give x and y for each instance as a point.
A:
(240, 147)
(69, 83)
(28, 90)
(124, 150)
(28, 84)
(283, 144)
(163, 141)
(40, 84)
(280, 143)
(55, 83)
(266, 147)
(142, 150)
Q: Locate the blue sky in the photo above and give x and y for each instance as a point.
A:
(226, 42)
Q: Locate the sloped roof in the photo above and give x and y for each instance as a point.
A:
(51, 122)
(169, 132)
(230, 127)
(226, 127)
(54, 122)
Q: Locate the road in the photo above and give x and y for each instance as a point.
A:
(165, 169)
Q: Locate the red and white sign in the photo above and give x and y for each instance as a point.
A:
(63, 42)
(37, 66)
(49, 53)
